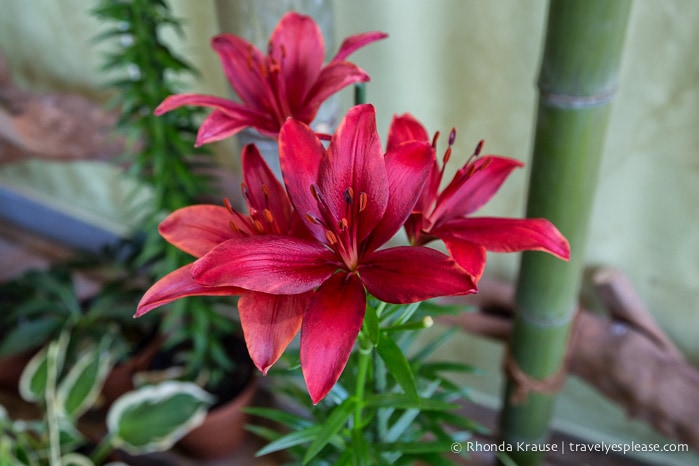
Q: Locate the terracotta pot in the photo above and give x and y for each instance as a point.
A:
(223, 430)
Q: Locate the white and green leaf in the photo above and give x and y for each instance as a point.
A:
(153, 418)
(81, 386)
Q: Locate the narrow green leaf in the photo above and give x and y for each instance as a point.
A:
(332, 425)
(290, 440)
(400, 401)
(360, 449)
(417, 447)
(30, 335)
(153, 418)
(283, 417)
(371, 323)
(398, 365)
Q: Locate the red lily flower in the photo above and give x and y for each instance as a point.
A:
(290, 81)
(355, 199)
(269, 322)
(444, 215)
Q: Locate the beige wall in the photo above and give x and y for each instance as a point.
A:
(472, 65)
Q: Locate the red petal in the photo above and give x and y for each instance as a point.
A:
(330, 327)
(470, 257)
(269, 323)
(300, 153)
(405, 128)
(466, 194)
(297, 45)
(355, 160)
(197, 229)
(508, 234)
(243, 65)
(333, 77)
(407, 167)
(352, 43)
(264, 191)
(408, 274)
(200, 100)
(268, 263)
(220, 125)
(179, 284)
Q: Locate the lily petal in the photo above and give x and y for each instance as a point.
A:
(508, 234)
(330, 327)
(297, 45)
(407, 168)
(264, 191)
(332, 78)
(300, 153)
(355, 161)
(470, 257)
(179, 284)
(405, 128)
(408, 274)
(352, 43)
(243, 64)
(268, 263)
(472, 186)
(220, 125)
(269, 323)
(197, 229)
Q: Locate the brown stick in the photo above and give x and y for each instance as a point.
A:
(628, 363)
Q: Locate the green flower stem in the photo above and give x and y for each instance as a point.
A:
(365, 356)
(577, 82)
(52, 407)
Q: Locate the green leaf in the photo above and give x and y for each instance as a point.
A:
(283, 417)
(76, 459)
(32, 382)
(81, 387)
(400, 401)
(416, 447)
(398, 365)
(153, 418)
(371, 323)
(290, 440)
(28, 335)
(332, 425)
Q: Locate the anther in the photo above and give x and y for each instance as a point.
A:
(330, 236)
(452, 137)
(349, 195)
(434, 139)
(313, 219)
(447, 156)
(315, 191)
(228, 206)
(343, 224)
(258, 226)
(265, 191)
(362, 201)
(234, 227)
(244, 190)
(479, 147)
(283, 49)
(268, 216)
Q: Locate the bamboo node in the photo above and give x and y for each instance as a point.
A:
(523, 384)
(571, 101)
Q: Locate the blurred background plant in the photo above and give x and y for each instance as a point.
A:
(162, 155)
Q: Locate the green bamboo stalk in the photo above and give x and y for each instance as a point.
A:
(577, 82)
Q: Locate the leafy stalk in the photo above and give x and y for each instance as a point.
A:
(164, 158)
(577, 81)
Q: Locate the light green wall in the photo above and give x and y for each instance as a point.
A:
(472, 65)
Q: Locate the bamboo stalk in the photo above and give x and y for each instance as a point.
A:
(577, 82)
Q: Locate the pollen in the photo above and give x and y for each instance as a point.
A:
(479, 148)
(349, 195)
(258, 226)
(330, 236)
(362, 201)
(228, 206)
(234, 227)
(268, 215)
